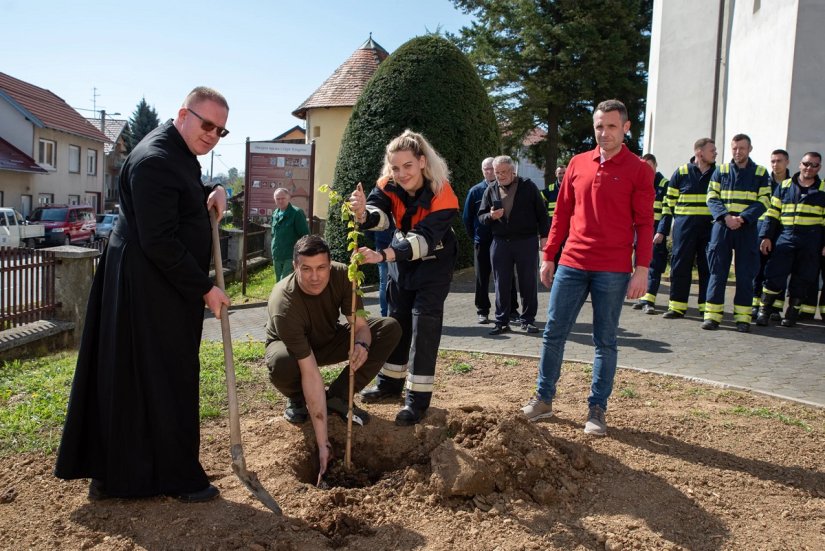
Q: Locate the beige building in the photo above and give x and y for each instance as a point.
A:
(48, 152)
(328, 109)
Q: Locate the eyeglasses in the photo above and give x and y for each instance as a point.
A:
(209, 126)
(810, 165)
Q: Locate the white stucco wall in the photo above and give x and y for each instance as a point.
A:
(806, 126)
(681, 76)
(15, 129)
(759, 75)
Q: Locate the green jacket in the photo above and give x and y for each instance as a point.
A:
(287, 227)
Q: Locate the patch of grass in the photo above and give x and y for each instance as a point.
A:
(766, 413)
(511, 362)
(698, 392)
(33, 399)
(34, 393)
(459, 368)
(700, 413)
(258, 285)
(628, 392)
(329, 374)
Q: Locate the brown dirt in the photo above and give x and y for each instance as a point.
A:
(684, 466)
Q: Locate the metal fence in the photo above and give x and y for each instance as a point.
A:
(26, 286)
(99, 245)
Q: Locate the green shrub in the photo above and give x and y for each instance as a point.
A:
(428, 86)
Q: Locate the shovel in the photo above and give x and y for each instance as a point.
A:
(249, 478)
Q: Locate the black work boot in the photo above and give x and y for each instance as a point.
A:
(792, 313)
(765, 310)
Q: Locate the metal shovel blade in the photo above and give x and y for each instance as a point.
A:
(250, 480)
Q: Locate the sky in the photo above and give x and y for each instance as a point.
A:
(266, 57)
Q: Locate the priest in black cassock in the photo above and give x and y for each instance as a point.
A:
(133, 423)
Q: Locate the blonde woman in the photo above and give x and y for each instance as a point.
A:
(414, 192)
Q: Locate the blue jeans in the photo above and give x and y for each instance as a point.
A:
(382, 288)
(567, 295)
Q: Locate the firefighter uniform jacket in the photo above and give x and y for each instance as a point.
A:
(424, 243)
(686, 196)
(795, 212)
(660, 206)
(739, 191)
(550, 194)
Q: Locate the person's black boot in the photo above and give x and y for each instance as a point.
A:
(765, 310)
(380, 393)
(792, 313)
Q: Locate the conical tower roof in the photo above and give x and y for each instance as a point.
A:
(344, 86)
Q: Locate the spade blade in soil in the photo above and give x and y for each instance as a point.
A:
(250, 480)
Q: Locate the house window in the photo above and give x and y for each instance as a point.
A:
(45, 198)
(74, 159)
(316, 131)
(91, 162)
(74, 199)
(46, 153)
(2, 204)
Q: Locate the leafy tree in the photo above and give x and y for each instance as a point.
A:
(144, 120)
(547, 63)
(428, 86)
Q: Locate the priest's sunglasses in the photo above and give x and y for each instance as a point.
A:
(209, 126)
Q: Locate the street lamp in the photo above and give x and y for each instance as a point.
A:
(212, 165)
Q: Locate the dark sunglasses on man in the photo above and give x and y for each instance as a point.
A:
(810, 165)
(209, 126)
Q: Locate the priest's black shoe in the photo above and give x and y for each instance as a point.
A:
(378, 394)
(207, 494)
(409, 416)
(97, 490)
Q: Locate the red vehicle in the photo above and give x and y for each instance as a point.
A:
(66, 224)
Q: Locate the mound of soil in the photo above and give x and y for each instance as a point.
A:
(684, 466)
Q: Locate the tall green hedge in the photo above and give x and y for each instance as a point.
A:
(429, 86)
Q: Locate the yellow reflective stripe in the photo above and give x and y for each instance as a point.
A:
(776, 202)
(761, 170)
(676, 306)
(724, 168)
(800, 221)
(692, 198)
(730, 194)
(683, 170)
(807, 309)
(650, 298)
(737, 207)
(713, 190)
(810, 209)
(691, 211)
(702, 307)
(673, 192)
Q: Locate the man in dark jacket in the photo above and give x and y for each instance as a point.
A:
(515, 211)
(133, 422)
(482, 241)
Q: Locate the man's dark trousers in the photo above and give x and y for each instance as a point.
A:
(523, 253)
(483, 268)
(286, 376)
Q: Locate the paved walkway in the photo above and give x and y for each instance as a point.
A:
(789, 363)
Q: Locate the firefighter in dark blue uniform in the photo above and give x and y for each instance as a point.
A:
(738, 194)
(795, 231)
(647, 303)
(692, 223)
(550, 195)
(779, 173)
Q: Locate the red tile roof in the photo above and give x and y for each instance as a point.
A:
(346, 83)
(15, 160)
(45, 109)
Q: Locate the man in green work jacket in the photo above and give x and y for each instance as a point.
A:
(289, 224)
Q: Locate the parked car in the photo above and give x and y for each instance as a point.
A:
(15, 231)
(105, 224)
(66, 224)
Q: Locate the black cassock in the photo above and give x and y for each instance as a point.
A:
(133, 417)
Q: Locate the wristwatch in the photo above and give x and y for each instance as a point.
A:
(383, 255)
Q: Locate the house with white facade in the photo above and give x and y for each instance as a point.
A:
(49, 153)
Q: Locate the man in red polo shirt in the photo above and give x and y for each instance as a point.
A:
(604, 212)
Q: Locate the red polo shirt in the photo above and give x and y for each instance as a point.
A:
(601, 208)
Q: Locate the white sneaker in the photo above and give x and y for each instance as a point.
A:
(537, 409)
(595, 422)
